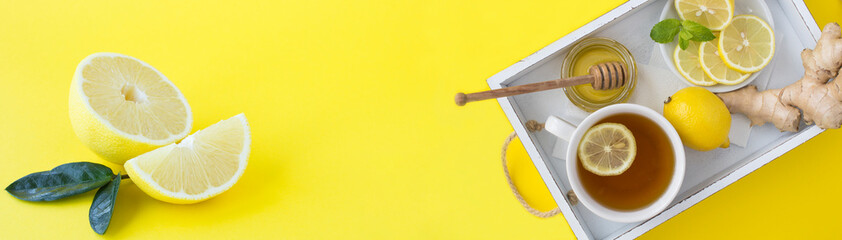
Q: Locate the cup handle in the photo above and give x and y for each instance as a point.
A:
(559, 128)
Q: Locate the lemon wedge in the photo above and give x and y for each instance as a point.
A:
(201, 166)
(713, 14)
(607, 149)
(121, 107)
(715, 69)
(747, 44)
(687, 63)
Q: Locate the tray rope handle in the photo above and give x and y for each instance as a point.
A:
(531, 126)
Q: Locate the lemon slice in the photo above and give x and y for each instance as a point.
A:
(199, 167)
(121, 107)
(747, 44)
(715, 69)
(687, 63)
(713, 14)
(607, 149)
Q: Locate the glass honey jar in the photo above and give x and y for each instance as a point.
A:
(589, 52)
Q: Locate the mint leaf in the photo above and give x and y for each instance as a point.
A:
(684, 39)
(103, 205)
(699, 32)
(63, 181)
(665, 31)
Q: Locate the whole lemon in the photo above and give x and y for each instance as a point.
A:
(701, 119)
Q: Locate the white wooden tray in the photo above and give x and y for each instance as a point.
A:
(707, 172)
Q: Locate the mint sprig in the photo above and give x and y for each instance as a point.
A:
(665, 31)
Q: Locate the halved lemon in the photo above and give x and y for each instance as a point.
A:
(199, 167)
(121, 107)
(747, 44)
(713, 14)
(715, 69)
(607, 149)
(687, 63)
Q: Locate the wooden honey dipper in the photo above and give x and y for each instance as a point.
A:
(603, 76)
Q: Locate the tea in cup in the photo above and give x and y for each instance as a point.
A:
(650, 182)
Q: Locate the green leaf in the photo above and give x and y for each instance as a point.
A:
(63, 181)
(665, 31)
(103, 206)
(699, 32)
(684, 39)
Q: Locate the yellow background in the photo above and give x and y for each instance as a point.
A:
(355, 134)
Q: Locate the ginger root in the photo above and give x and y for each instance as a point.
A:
(819, 100)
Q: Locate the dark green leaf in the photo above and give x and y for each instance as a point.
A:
(664, 31)
(63, 181)
(684, 39)
(103, 206)
(700, 32)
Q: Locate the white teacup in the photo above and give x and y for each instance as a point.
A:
(573, 134)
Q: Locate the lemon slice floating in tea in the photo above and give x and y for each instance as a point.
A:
(607, 149)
